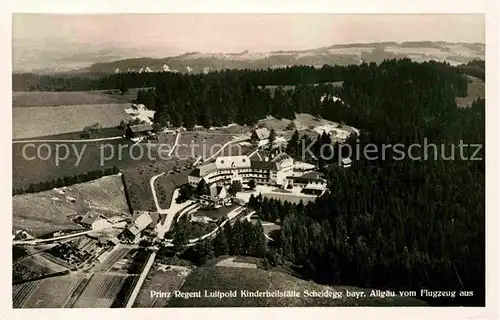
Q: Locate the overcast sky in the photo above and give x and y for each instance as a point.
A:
(178, 33)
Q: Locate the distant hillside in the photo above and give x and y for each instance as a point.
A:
(197, 62)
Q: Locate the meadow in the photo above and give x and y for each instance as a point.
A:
(41, 121)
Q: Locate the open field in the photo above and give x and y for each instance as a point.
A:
(475, 89)
(139, 190)
(114, 256)
(104, 133)
(82, 157)
(166, 184)
(49, 211)
(39, 264)
(165, 278)
(44, 121)
(47, 293)
(289, 197)
(253, 279)
(68, 98)
(204, 144)
(101, 291)
(304, 123)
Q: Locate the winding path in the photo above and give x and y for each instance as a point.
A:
(36, 241)
(67, 141)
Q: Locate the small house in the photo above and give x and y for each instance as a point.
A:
(139, 130)
(346, 162)
(260, 134)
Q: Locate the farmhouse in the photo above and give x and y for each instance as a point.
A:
(89, 219)
(155, 217)
(139, 224)
(139, 111)
(138, 130)
(259, 134)
(346, 162)
(225, 170)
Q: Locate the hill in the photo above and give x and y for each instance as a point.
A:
(197, 62)
(225, 279)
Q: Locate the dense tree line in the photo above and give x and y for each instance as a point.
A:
(397, 222)
(385, 222)
(66, 181)
(241, 238)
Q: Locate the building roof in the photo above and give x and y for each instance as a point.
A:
(262, 165)
(262, 133)
(309, 177)
(141, 127)
(90, 218)
(140, 223)
(203, 170)
(217, 191)
(346, 161)
(155, 217)
(280, 157)
(314, 186)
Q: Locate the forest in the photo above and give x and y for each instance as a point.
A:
(384, 223)
(66, 181)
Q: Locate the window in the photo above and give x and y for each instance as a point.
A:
(222, 161)
(244, 160)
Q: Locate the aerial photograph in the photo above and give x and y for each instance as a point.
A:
(248, 160)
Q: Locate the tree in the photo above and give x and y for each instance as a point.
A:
(251, 184)
(292, 147)
(234, 188)
(202, 188)
(221, 246)
(122, 125)
(185, 193)
(157, 127)
(272, 137)
(123, 87)
(181, 233)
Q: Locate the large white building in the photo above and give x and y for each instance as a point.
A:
(270, 171)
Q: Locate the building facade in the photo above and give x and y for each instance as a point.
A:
(225, 170)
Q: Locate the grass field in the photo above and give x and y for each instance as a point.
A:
(104, 133)
(47, 293)
(115, 256)
(44, 121)
(31, 167)
(165, 278)
(41, 265)
(475, 89)
(227, 278)
(194, 144)
(289, 197)
(138, 178)
(166, 184)
(49, 211)
(68, 98)
(214, 213)
(101, 291)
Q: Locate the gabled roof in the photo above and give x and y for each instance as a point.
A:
(262, 133)
(346, 161)
(141, 127)
(203, 170)
(140, 223)
(280, 157)
(90, 218)
(262, 165)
